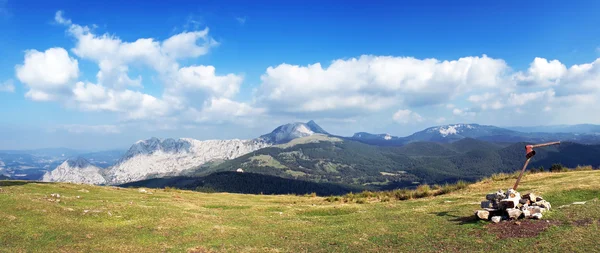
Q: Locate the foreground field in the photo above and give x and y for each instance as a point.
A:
(109, 219)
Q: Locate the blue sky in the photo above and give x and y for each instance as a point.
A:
(400, 66)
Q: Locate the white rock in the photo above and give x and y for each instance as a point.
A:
(536, 216)
(496, 219)
(579, 203)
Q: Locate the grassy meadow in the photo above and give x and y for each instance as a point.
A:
(109, 219)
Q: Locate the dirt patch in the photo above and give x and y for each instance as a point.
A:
(583, 222)
(519, 229)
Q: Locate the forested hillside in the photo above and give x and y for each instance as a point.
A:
(355, 163)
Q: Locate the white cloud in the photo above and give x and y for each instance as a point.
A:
(114, 56)
(479, 87)
(481, 98)
(203, 78)
(7, 86)
(371, 83)
(53, 74)
(406, 116)
(529, 97)
(101, 129)
(464, 112)
(47, 74)
(131, 104)
(223, 109)
(58, 17)
(542, 72)
(184, 45)
(241, 20)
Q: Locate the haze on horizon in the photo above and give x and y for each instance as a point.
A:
(84, 75)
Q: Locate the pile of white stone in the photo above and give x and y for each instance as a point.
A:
(512, 206)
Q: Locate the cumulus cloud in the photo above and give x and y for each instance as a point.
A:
(47, 74)
(465, 88)
(114, 56)
(371, 83)
(542, 72)
(406, 116)
(7, 86)
(197, 90)
(131, 104)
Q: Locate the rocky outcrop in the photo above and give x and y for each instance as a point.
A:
(76, 170)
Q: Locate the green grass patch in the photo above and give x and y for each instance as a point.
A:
(328, 212)
(558, 198)
(226, 207)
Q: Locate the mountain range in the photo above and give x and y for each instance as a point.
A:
(586, 134)
(305, 151)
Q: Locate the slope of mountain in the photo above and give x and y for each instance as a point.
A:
(246, 183)
(426, 149)
(77, 170)
(355, 163)
(470, 144)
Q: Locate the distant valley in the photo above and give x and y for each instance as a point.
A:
(32, 164)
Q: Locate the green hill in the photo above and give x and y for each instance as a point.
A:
(332, 160)
(252, 183)
(111, 219)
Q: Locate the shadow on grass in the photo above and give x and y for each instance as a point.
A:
(17, 183)
(461, 220)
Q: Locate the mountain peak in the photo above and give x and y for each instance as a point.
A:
(312, 125)
(77, 162)
(290, 131)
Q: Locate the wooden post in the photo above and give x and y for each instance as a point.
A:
(521, 174)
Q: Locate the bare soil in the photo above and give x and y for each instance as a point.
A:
(520, 228)
(583, 222)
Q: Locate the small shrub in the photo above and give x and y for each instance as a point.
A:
(584, 168)
(361, 201)
(557, 167)
(499, 176)
(461, 184)
(367, 194)
(170, 189)
(332, 199)
(423, 191)
(385, 199)
(403, 194)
